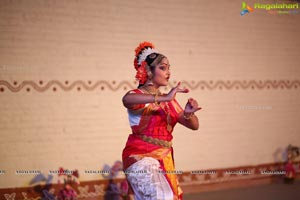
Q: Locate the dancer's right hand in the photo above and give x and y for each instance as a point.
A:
(171, 95)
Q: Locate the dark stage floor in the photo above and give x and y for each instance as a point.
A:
(276, 191)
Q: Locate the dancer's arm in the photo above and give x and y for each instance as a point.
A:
(191, 122)
(131, 99)
(187, 117)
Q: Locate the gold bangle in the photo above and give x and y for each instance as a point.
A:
(188, 117)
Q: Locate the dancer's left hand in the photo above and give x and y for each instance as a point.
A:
(191, 106)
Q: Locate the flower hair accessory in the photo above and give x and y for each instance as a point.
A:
(141, 73)
(141, 52)
(142, 57)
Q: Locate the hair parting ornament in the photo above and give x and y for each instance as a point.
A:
(141, 60)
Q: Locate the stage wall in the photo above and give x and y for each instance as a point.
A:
(65, 65)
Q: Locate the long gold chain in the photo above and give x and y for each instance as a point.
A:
(167, 112)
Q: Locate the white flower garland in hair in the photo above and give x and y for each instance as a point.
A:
(142, 57)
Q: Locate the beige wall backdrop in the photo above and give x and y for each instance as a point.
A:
(65, 65)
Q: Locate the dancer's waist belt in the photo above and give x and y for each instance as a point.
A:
(156, 141)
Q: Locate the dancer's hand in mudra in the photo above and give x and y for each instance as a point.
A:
(187, 117)
(191, 106)
(171, 95)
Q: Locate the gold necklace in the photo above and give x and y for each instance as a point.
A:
(157, 92)
(169, 127)
(167, 112)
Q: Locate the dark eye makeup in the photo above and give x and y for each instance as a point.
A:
(164, 66)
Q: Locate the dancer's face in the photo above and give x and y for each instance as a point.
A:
(161, 73)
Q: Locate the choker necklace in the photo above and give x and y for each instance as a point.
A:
(166, 108)
(156, 92)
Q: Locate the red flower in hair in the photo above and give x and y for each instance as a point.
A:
(135, 62)
(141, 73)
(142, 46)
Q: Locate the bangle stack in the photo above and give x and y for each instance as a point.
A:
(189, 116)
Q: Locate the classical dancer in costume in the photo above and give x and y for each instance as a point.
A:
(148, 155)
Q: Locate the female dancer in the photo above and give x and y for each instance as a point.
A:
(148, 154)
